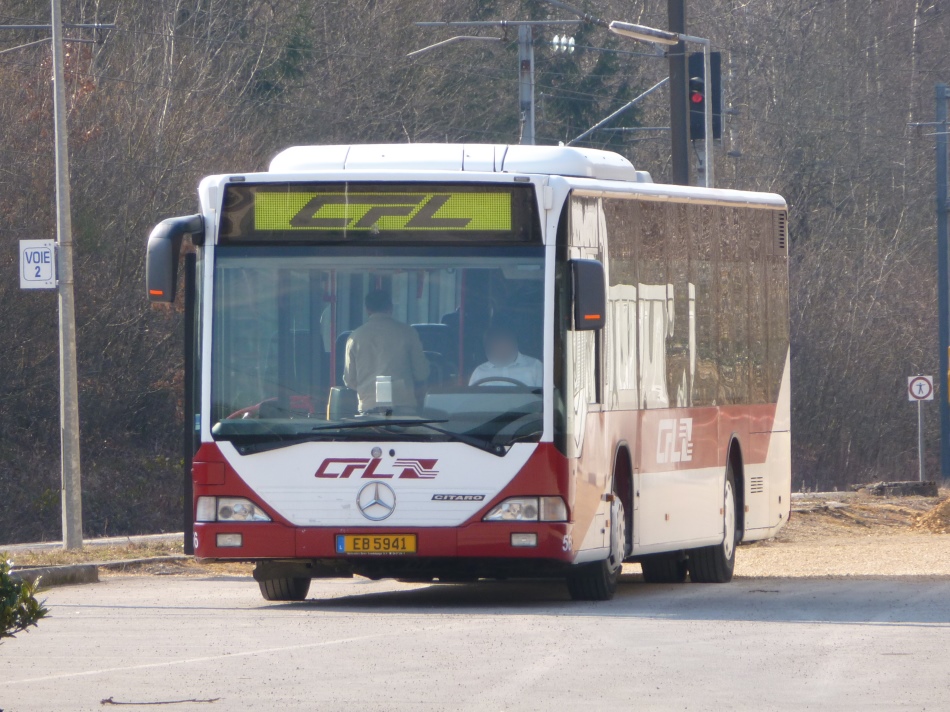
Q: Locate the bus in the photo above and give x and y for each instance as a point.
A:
(636, 408)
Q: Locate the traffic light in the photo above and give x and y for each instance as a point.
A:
(697, 107)
(699, 95)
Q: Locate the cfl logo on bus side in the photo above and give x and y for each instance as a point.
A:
(675, 440)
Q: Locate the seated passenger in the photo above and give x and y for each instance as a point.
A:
(505, 361)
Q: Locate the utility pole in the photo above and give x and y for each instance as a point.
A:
(68, 387)
(679, 106)
(526, 83)
(525, 58)
(71, 482)
(943, 277)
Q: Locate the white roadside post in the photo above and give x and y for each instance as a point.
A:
(920, 389)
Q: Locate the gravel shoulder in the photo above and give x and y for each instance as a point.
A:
(855, 534)
(831, 534)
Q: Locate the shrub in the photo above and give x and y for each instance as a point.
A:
(19, 608)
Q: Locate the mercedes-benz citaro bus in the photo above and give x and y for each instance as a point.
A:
(605, 369)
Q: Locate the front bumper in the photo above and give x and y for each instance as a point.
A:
(479, 540)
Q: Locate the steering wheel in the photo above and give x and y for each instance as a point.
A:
(499, 379)
(516, 426)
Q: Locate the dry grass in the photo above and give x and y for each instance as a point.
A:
(95, 554)
(186, 567)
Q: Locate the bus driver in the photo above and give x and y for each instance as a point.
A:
(505, 362)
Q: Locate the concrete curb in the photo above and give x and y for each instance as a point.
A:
(58, 575)
(122, 564)
(70, 574)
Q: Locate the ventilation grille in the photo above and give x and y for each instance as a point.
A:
(757, 485)
(781, 232)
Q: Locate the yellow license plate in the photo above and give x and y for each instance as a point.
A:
(376, 544)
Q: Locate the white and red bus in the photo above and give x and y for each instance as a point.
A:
(658, 432)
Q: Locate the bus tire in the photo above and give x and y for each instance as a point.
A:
(597, 581)
(284, 589)
(664, 568)
(593, 582)
(715, 564)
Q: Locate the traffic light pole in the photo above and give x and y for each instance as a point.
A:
(708, 167)
(709, 170)
(643, 33)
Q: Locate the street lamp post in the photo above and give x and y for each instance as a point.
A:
(653, 35)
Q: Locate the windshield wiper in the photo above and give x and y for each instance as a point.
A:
(251, 443)
(265, 441)
(497, 450)
(375, 423)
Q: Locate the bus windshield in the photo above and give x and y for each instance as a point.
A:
(377, 342)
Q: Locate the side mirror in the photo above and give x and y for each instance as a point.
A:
(590, 294)
(161, 257)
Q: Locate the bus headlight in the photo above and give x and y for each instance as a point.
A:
(228, 509)
(529, 509)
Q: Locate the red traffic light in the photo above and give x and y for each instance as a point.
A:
(696, 97)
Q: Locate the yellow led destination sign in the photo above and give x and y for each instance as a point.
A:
(381, 212)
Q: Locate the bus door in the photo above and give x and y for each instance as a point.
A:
(585, 380)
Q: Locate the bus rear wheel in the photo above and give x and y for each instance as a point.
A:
(715, 564)
(284, 589)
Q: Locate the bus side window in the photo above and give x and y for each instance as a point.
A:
(703, 275)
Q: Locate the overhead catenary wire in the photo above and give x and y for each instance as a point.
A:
(550, 91)
(885, 135)
(24, 46)
(762, 54)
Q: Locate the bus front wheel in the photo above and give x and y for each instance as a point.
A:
(284, 589)
(715, 564)
(597, 581)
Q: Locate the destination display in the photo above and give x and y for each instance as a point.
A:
(388, 212)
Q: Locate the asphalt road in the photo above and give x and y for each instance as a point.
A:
(755, 644)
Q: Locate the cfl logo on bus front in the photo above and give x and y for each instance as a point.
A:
(675, 440)
(341, 468)
(401, 207)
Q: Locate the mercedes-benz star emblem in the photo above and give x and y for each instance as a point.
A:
(376, 501)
